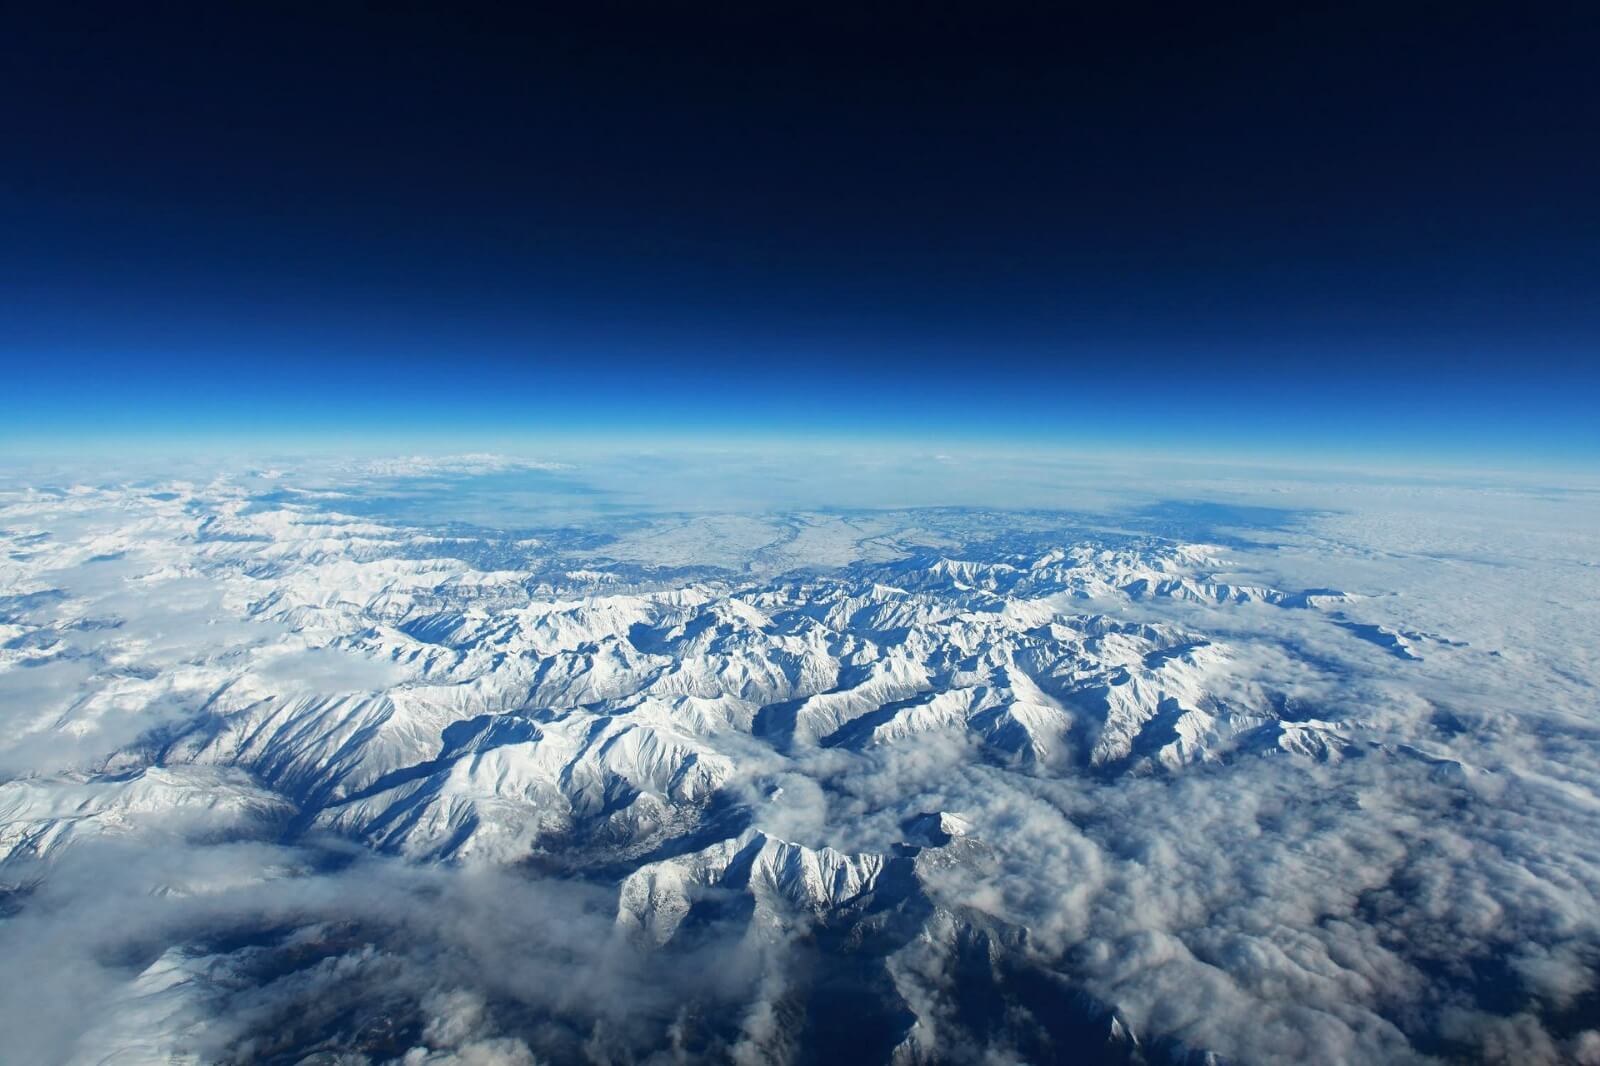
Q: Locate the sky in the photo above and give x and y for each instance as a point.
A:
(1337, 231)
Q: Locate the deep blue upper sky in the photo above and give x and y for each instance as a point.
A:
(1351, 231)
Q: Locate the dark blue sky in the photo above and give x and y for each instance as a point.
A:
(1356, 231)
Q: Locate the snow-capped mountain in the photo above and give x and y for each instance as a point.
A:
(937, 791)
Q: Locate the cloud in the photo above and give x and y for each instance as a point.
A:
(474, 463)
(249, 949)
